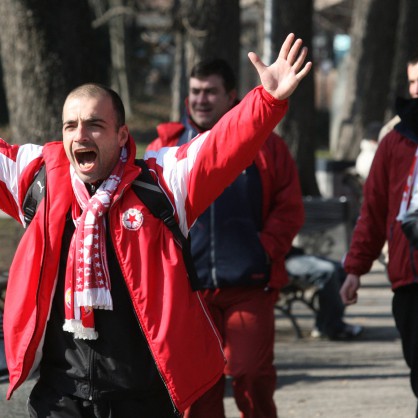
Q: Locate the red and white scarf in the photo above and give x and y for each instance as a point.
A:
(87, 281)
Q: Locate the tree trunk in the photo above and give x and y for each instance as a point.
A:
(4, 113)
(373, 34)
(205, 29)
(118, 56)
(179, 82)
(271, 25)
(406, 46)
(298, 127)
(45, 49)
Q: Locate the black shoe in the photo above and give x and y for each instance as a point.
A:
(349, 332)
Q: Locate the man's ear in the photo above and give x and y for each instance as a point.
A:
(123, 135)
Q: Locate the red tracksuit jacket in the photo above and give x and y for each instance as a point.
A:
(382, 195)
(282, 205)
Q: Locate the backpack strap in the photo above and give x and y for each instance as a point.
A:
(150, 194)
(157, 202)
(34, 195)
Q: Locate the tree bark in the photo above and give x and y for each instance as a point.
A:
(179, 82)
(205, 29)
(298, 127)
(118, 46)
(406, 47)
(4, 113)
(366, 86)
(46, 51)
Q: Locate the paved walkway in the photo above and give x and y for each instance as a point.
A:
(318, 378)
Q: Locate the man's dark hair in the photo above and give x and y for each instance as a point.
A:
(218, 67)
(413, 58)
(95, 89)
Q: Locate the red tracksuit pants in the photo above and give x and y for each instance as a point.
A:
(245, 319)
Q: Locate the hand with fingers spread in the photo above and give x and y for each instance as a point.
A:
(282, 77)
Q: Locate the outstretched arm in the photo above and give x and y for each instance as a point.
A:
(282, 77)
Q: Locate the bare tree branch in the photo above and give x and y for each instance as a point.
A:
(112, 13)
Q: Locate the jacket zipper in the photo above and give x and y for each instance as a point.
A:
(214, 329)
(91, 367)
(176, 412)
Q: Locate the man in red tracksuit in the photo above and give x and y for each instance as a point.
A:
(239, 246)
(98, 298)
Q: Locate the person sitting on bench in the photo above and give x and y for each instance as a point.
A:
(328, 276)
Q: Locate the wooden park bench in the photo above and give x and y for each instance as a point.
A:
(298, 290)
(327, 228)
(326, 233)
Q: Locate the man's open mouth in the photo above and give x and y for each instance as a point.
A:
(85, 158)
(203, 110)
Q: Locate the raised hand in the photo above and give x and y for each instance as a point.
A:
(282, 77)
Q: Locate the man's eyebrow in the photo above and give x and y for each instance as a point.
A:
(68, 121)
(91, 119)
(203, 88)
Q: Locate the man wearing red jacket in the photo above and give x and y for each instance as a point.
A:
(98, 299)
(239, 245)
(388, 209)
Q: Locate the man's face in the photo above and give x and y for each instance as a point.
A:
(208, 100)
(91, 140)
(413, 80)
